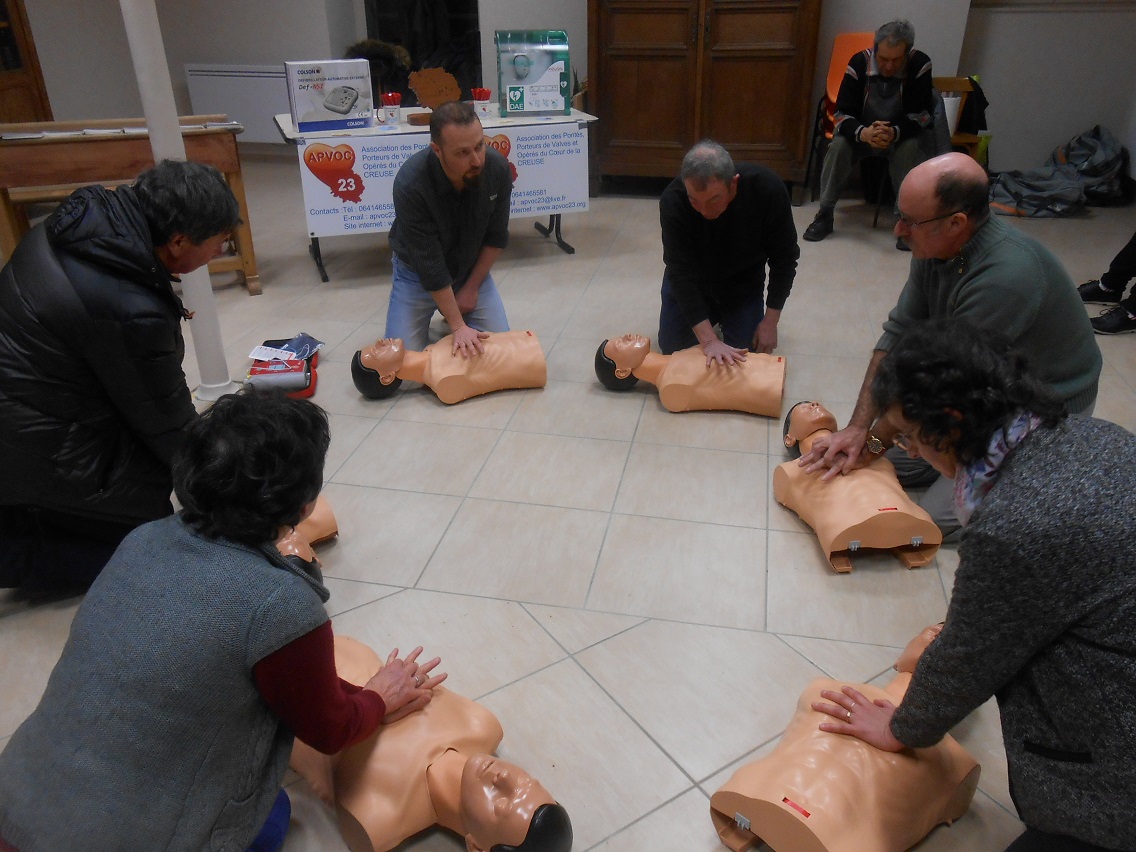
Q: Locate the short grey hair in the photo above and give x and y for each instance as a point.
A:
(707, 161)
(898, 31)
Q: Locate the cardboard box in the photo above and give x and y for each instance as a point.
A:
(334, 94)
(533, 74)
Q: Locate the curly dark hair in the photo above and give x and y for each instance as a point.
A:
(960, 386)
(250, 464)
(186, 198)
(549, 831)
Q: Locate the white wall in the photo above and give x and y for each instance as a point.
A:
(1050, 75)
(85, 58)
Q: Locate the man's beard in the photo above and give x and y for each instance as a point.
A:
(471, 181)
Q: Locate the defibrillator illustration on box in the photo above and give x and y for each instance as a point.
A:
(334, 94)
(341, 99)
(533, 74)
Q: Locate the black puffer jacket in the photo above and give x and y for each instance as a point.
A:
(93, 399)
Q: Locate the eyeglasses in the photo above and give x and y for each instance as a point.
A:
(911, 223)
(903, 442)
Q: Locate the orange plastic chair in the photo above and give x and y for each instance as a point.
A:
(844, 47)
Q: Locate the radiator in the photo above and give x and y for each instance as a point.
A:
(250, 94)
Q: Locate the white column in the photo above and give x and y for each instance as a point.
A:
(157, 91)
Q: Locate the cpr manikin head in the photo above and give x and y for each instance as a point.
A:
(373, 369)
(804, 419)
(615, 359)
(504, 809)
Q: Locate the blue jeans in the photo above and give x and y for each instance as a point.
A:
(271, 836)
(411, 307)
(739, 324)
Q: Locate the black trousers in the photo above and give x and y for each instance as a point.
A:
(41, 548)
(1121, 271)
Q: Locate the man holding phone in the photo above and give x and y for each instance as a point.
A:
(885, 101)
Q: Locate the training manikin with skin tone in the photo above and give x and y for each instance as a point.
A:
(689, 381)
(857, 798)
(865, 509)
(511, 359)
(432, 767)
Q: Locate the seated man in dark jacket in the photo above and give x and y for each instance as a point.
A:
(885, 101)
(93, 399)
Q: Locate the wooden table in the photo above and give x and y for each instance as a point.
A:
(46, 161)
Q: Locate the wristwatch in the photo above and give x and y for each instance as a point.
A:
(874, 445)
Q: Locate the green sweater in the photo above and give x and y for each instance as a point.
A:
(1005, 281)
(151, 733)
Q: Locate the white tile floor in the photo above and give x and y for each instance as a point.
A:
(612, 580)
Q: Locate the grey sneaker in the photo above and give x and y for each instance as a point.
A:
(821, 226)
(1093, 293)
(1114, 321)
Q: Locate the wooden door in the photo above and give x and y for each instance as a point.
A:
(757, 72)
(23, 96)
(643, 69)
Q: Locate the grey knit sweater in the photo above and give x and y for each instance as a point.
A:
(1043, 616)
(151, 733)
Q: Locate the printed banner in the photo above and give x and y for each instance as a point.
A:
(348, 181)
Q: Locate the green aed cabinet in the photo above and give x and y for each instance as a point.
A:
(533, 77)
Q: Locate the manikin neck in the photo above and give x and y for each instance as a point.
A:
(443, 779)
(413, 367)
(806, 443)
(652, 365)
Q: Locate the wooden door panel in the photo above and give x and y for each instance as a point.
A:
(756, 79)
(645, 85)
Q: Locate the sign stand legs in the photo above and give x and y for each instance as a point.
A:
(552, 227)
(314, 251)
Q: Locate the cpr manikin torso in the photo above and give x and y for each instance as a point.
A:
(512, 359)
(685, 383)
(825, 792)
(865, 509)
(430, 767)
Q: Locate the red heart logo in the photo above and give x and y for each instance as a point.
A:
(334, 167)
(501, 143)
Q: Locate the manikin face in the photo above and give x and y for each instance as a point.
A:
(711, 200)
(182, 255)
(385, 357)
(943, 460)
(498, 800)
(627, 352)
(806, 418)
(890, 58)
(461, 152)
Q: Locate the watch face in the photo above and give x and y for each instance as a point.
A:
(875, 445)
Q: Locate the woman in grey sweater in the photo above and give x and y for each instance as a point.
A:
(1043, 611)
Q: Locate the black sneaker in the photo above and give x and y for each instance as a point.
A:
(901, 244)
(1114, 321)
(821, 226)
(1093, 293)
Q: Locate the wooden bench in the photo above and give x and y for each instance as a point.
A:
(44, 162)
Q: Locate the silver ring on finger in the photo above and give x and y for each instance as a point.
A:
(849, 712)
(418, 682)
